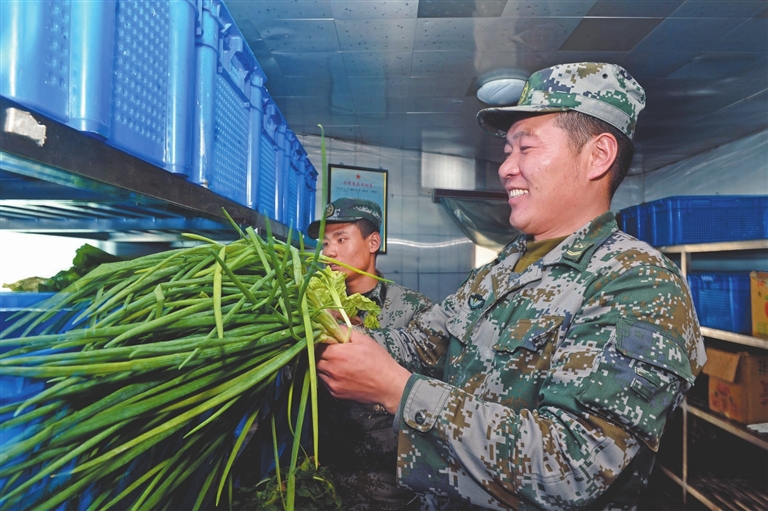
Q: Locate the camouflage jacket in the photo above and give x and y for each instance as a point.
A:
(356, 440)
(550, 388)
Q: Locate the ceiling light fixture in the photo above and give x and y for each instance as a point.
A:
(501, 88)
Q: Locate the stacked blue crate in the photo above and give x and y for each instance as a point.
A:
(228, 100)
(309, 194)
(682, 220)
(293, 177)
(172, 82)
(722, 300)
(636, 221)
(103, 68)
(267, 189)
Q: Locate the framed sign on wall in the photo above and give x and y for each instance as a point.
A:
(360, 183)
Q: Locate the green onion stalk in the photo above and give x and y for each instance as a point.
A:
(153, 371)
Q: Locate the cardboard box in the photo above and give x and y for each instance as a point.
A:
(758, 287)
(738, 385)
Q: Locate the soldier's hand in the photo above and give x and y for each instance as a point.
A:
(362, 370)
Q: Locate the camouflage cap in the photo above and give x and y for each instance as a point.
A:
(605, 91)
(345, 210)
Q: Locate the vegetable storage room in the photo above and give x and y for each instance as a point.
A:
(180, 289)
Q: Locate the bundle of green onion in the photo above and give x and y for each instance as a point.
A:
(167, 363)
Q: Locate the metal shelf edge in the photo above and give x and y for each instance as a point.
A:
(728, 426)
(96, 166)
(721, 246)
(691, 490)
(746, 340)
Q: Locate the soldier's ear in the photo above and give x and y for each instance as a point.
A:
(603, 150)
(374, 242)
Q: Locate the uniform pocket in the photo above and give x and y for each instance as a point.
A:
(530, 334)
(461, 324)
(639, 380)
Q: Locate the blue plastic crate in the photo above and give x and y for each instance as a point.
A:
(722, 300)
(12, 305)
(294, 177)
(292, 211)
(308, 195)
(172, 82)
(638, 222)
(14, 389)
(709, 218)
(229, 89)
(120, 70)
(271, 157)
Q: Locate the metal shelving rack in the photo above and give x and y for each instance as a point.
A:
(687, 408)
(57, 180)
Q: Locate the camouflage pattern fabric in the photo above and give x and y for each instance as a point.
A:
(602, 90)
(357, 442)
(549, 388)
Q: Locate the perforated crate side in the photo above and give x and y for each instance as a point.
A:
(228, 174)
(153, 75)
(292, 196)
(120, 70)
(710, 219)
(36, 64)
(722, 300)
(310, 194)
(267, 189)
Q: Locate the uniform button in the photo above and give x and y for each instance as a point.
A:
(420, 417)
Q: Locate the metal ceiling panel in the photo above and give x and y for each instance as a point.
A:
(372, 109)
(318, 65)
(378, 63)
(751, 36)
(606, 34)
(455, 34)
(335, 110)
(444, 63)
(546, 8)
(712, 66)
(634, 9)
(376, 34)
(376, 87)
(687, 34)
(268, 11)
(312, 35)
(437, 105)
(461, 8)
(374, 9)
(357, 66)
(522, 60)
(649, 66)
(448, 86)
(534, 34)
(719, 9)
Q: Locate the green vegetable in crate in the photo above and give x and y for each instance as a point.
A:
(172, 358)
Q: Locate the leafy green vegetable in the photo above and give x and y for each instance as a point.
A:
(314, 492)
(324, 283)
(171, 359)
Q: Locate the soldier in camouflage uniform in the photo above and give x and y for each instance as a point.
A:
(546, 380)
(356, 440)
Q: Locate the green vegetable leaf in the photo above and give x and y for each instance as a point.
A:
(353, 304)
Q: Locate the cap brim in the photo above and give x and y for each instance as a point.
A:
(497, 121)
(313, 231)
